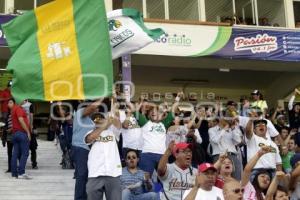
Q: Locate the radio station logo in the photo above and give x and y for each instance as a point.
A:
(175, 40)
(259, 44)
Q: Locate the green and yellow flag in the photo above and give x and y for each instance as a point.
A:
(61, 51)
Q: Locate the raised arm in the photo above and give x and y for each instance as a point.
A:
(273, 186)
(252, 162)
(92, 107)
(162, 165)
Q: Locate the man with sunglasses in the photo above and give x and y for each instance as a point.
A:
(135, 181)
(179, 176)
(233, 190)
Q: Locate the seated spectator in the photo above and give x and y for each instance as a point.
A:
(265, 22)
(179, 175)
(204, 185)
(136, 184)
(256, 139)
(233, 190)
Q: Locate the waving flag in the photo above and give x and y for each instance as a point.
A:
(61, 51)
(128, 33)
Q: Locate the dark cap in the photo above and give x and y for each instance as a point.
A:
(255, 92)
(295, 159)
(231, 103)
(256, 122)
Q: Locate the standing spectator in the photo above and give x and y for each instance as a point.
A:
(28, 107)
(256, 139)
(131, 131)
(7, 140)
(154, 137)
(224, 137)
(294, 111)
(82, 124)
(245, 105)
(286, 159)
(295, 181)
(104, 164)
(178, 176)
(278, 118)
(21, 138)
(225, 169)
(204, 185)
(258, 101)
(135, 181)
(5, 95)
(257, 188)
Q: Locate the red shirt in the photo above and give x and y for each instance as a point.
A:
(5, 94)
(18, 111)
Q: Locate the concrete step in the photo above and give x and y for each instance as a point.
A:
(50, 181)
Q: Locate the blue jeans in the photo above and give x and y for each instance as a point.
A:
(20, 150)
(149, 161)
(127, 195)
(80, 157)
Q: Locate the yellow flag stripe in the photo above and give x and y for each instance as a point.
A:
(58, 50)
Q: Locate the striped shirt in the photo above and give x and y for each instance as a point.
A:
(136, 179)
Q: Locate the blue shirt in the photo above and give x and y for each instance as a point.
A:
(81, 126)
(128, 178)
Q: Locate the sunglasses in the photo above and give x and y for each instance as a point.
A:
(238, 190)
(129, 157)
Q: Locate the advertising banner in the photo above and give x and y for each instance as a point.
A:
(229, 42)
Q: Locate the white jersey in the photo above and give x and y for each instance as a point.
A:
(176, 181)
(104, 158)
(154, 137)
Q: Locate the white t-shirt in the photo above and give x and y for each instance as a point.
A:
(104, 158)
(269, 160)
(132, 137)
(154, 137)
(214, 194)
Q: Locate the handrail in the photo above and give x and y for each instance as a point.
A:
(190, 22)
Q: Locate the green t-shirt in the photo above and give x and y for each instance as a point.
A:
(286, 160)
